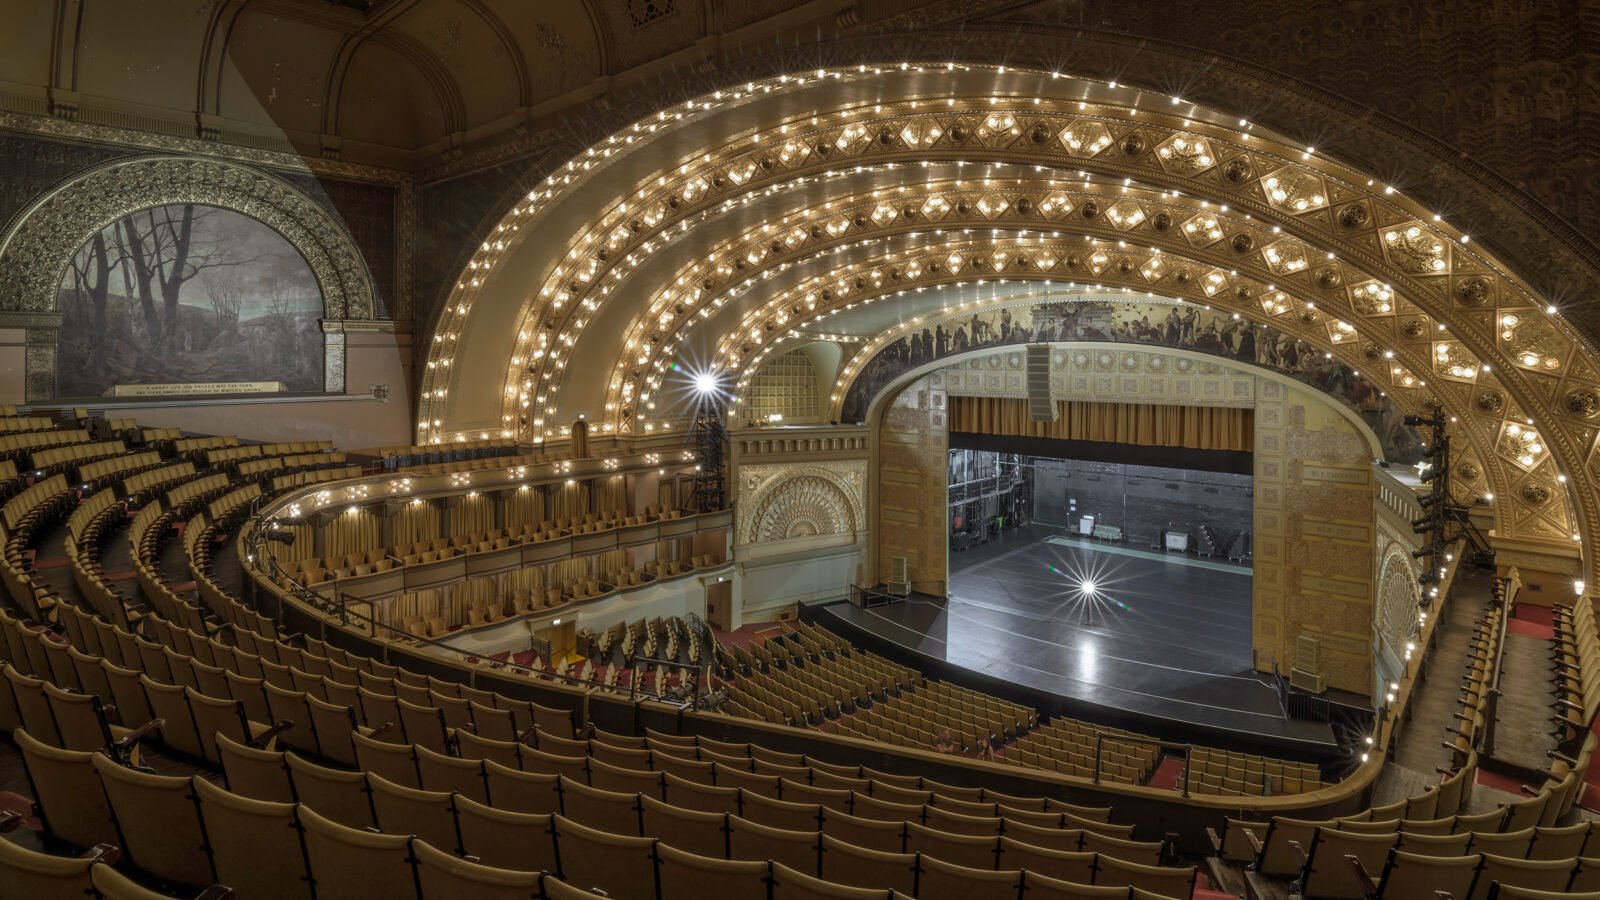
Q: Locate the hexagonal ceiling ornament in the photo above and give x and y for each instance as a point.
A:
(1286, 256)
(1372, 298)
(1185, 154)
(1452, 360)
(1202, 230)
(1085, 137)
(1295, 191)
(1125, 215)
(1416, 250)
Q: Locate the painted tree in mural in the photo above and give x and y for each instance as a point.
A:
(184, 294)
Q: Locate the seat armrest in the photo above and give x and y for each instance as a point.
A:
(1215, 839)
(1301, 852)
(9, 820)
(215, 892)
(268, 736)
(1362, 875)
(127, 741)
(105, 853)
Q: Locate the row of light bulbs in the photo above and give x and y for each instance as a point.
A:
(489, 249)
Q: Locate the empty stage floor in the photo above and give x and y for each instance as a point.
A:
(1169, 638)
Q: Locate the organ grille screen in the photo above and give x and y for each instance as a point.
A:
(787, 386)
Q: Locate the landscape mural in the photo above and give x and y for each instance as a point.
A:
(187, 294)
(1179, 326)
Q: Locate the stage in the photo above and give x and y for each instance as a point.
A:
(1161, 644)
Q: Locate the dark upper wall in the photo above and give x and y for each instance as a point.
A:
(1514, 86)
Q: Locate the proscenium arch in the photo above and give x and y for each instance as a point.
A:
(886, 395)
(1495, 289)
(41, 240)
(1275, 308)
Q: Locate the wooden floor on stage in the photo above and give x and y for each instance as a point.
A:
(1163, 636)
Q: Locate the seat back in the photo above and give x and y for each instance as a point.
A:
(525, 792)
(441, 874)
(1538, 874)
(940, 880)
(349, 864)
(395, 762)
(791, 884)
(1407, 875)
(506, 839)
(1328, 872)
(336, 794)
(256, 774)
(428, 815)
(66, 790)
(158, 823)
(1168, 881)
(751, 840)
(255, 844)
(26, 873)
(618, 865)
(844, 863)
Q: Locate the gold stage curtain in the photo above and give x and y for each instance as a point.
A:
(1194, 427)
(351, 532)
(568, 570)
(611, 495)
(415, 522)
(530, 579)
(610, 562)
(524, 506)
(571, 500)
(474, 514)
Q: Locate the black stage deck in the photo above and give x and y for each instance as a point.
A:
(1165, 648)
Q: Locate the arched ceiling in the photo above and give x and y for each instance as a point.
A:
(713, 233)
(398, 83)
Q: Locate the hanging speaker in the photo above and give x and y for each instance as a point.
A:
(1041, 407)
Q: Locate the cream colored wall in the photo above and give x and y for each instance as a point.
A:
(907, 503)
(1314, 536)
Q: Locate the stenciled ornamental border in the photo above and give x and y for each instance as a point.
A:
(39, 243)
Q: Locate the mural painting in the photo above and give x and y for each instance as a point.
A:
(187, 295)
(1177, 326)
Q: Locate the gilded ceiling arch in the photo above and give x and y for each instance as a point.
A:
(1437, 267)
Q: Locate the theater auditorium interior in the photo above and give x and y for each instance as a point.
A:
(799, 450)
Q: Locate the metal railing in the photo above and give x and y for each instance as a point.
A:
(1491, 707)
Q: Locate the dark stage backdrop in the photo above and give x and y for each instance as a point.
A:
(1143, 500)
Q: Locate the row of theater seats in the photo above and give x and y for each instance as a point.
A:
(670, 638)
(1226, 772)
(1575, 671)
(1464, 855)
(221, 457)
(1072, 748)
(785, 693)
(393, 459)
(325, 701)
(806, 676)
(191, 830)
(379, 750)
(405, 765)
(1426, 842)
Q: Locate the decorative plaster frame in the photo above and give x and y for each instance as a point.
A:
(762, 485)
(42, 239)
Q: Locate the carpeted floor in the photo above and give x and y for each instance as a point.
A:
(1166, 775)
(1532, 620)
